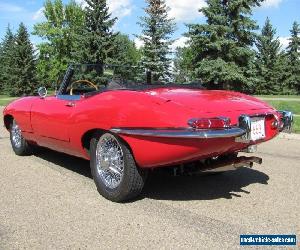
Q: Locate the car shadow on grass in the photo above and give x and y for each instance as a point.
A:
(162, 185)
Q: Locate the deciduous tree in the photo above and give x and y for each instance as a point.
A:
(125, 57)
(183, 65)
(62, 24)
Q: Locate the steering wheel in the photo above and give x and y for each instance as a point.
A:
(82, 81)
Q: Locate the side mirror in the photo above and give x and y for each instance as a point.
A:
(42, 91)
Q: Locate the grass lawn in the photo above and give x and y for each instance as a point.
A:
(296, 125)
(291, 105)
(4, 100)
(279, 96)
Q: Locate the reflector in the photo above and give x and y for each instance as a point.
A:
(210, 123)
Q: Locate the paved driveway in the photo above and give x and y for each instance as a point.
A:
(49, 201)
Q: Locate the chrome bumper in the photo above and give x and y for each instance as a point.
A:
(241, 132)
(286, 121)
(181, 133)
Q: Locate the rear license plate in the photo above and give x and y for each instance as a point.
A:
(257, 128)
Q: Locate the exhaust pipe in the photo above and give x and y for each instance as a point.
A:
(232, 164)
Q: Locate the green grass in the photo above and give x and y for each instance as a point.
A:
(279, 96)
(51, 92)
(293, 106)
(296, 125)
(4, 100)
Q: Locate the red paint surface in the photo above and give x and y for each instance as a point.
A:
(51, 123)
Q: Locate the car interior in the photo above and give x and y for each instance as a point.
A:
(89, 79)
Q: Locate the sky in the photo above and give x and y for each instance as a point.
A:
(282, 14)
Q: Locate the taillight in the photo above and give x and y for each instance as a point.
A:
(209, 123)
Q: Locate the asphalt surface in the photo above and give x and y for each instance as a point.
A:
(49, 201)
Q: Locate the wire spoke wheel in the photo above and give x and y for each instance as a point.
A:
(16, 135)
(114, 169)
(19, 144)
(110, 161)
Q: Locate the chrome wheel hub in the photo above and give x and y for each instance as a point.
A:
(16, 135)
(110, 161)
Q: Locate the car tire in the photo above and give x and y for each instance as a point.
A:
(113, 168)
(19, 145)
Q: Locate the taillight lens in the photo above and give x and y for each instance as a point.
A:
(209, 123)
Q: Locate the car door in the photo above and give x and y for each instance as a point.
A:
(50, 117)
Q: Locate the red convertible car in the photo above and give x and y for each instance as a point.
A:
(124, 130)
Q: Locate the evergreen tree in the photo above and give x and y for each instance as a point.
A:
(293, 54)
(268, 61)
(23, 71)
(157, 29)
(223, 54)
(95, 43)
(1, 70)
(6, 57)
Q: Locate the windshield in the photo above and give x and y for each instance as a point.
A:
(87, 78)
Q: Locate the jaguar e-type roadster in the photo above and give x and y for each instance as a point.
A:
(126, 130)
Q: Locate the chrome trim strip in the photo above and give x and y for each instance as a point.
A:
(181, 133)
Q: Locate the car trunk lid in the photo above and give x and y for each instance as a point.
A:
(209, 101)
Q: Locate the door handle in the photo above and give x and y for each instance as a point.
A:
(70, 104)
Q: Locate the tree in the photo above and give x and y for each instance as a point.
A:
(293, 54)
(125, 51)
(126, 57)
(223, 54)
(95, 42)
(62, 25)
(1, 73)
(157, 29)
(23, 71)
(6, 57)
(183, 65)
(270, 67)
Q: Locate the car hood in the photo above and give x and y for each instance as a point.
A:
(209, 101)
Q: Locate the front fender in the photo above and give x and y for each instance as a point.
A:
(20, 110)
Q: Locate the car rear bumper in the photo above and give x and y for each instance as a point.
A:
(181, 133)
(286, 121)
(242, 130)
(156, 147)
